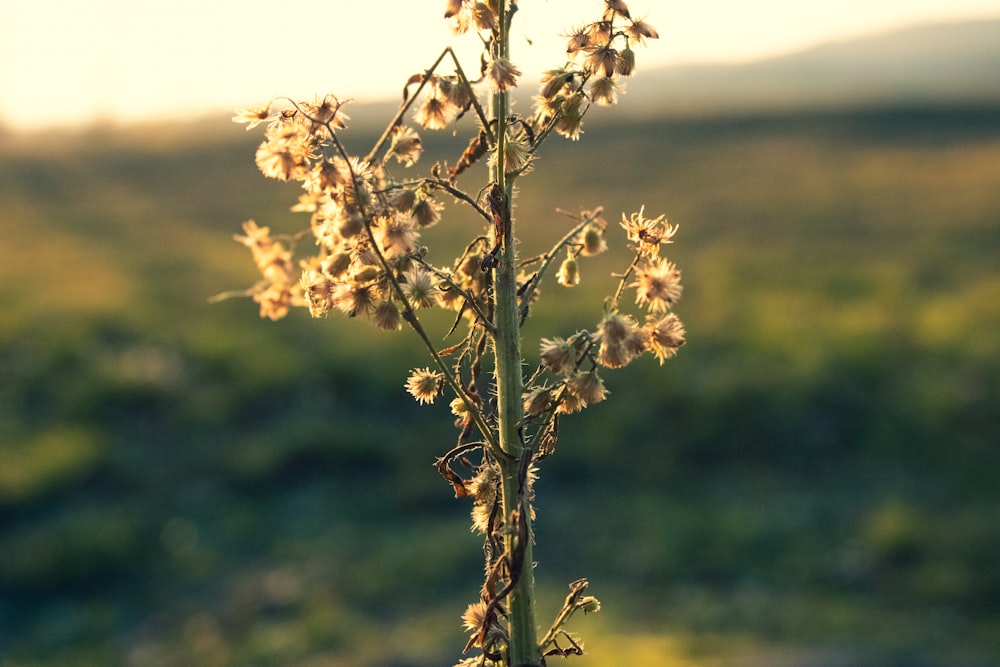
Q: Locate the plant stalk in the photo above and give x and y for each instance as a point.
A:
(523, 647)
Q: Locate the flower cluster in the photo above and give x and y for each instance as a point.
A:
(279, 289)
(599, 55)
(366, 225)
(568, 377)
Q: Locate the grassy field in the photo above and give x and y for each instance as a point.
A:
(811, 482)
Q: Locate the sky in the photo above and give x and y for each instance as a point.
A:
(72, 62)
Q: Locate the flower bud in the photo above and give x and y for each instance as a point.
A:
(569, 272)
(365, 274)
(593, 242)
(336, 264)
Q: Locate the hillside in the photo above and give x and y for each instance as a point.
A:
(938, 64)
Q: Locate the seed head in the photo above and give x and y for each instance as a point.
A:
(577, 40)
(604, 91)
(658, 286)
(396, 235)
(406, 145)
(601, 59)
(639, 31)
(620, 342)
(588, 387)
(253, 116)
(570, 122)
(618, 7)
(419, 287)
(557, 355)
(318, 290)
(425, 385)
(435, 113)
(502, 74)
(517, 157)
(666, 336)
(647, 234)
(537, 401)
(353, 299)
(386, 317)
(426, 212)
(554, 81)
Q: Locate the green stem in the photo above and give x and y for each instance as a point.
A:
(523, 648)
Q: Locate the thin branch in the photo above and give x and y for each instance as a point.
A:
(528, 290)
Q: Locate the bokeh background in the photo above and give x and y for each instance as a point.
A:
(811, 482)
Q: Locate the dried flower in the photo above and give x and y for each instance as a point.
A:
(459, 407)
(460, 94)
(386, 317)
(570, 120)
(326, 113)
(426, 212)
(517, 157)
(351, 223)
(639, 31)
(330, 174)
(273, 260)
(648, 233)
(588, 387)
(604, 91)
(435, 113)
(666, 336)
(554, 81)
(353, 299)
(396, 235)
(453, 8)
(557, 355)
(570, 403)
(419, 287)
(425, 385)
(658, 285)
(483, 17)
(537, 401)
(318, 290)
(406, 145)
(600, 32)
(403, 200)
(279, 160)
(618, 7)
(474, 618)
(502, 74)
(578, 40)
(465, 14)
(619, 342)
(637, 341)
(253, 116)
(602, 58)
(275, 300)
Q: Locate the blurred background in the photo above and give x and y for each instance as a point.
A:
(811, 482)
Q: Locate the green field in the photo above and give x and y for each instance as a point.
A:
(811, 482)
